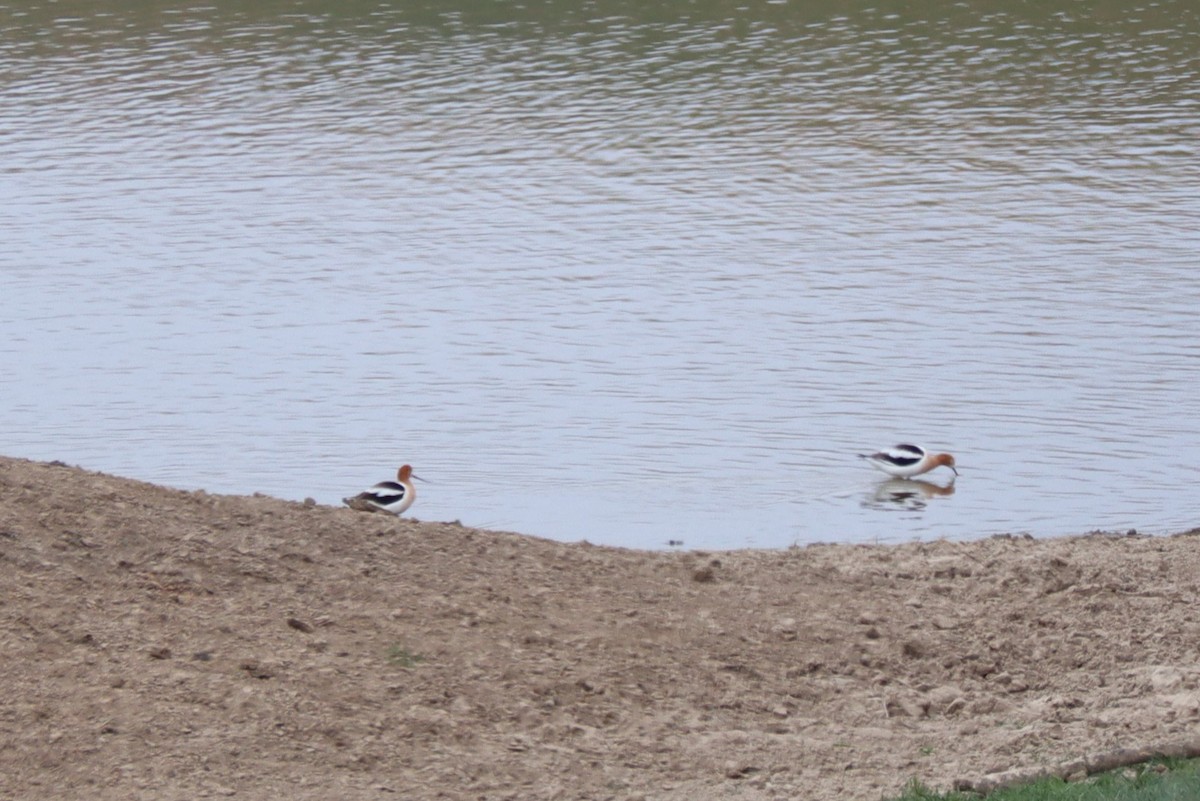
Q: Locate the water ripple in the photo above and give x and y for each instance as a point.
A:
(635, 277)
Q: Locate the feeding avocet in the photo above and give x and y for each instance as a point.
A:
(906, 461)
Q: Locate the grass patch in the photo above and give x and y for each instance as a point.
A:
(402, 657)
(1161, 780)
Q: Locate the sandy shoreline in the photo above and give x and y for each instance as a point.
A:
(177, 645)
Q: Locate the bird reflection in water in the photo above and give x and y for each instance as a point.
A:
(905, 494)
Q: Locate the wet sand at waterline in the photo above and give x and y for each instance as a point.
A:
(178, 645)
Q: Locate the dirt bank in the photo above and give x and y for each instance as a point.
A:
(176, 645)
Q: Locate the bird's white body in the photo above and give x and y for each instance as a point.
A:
(393, 497)
(906, 461)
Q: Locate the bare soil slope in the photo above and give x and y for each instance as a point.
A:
(174, 645)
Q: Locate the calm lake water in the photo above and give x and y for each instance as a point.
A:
(620, 272)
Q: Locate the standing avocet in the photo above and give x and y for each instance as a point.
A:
(387, 496)
(906, 461)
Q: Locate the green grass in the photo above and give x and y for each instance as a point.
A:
(402, 657)
(1163, 780)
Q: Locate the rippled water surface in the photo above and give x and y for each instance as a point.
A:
(605, 271)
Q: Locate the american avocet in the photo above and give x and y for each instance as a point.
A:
(906, 461)
(387, 496)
